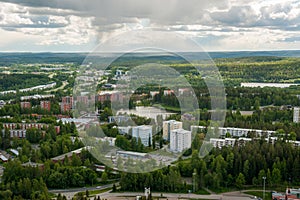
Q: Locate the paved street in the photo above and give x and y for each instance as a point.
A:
(132, 195)
(69, 193)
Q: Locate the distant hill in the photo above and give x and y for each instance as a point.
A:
(19, 58)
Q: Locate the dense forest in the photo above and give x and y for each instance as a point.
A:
(227, 167)
(21, 81)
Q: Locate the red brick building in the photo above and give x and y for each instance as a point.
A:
(25, 105)
(82, 99)
(66, 104)
(112, 96)
(45, 105)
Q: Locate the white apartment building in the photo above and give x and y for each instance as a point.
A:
(144, 132)
(296, 114)
(238, 132)
(180, 140)
(168, 126)
(124, 129)
(219, 143)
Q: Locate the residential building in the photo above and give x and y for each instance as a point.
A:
(184, 91)
(153, 93)
(69, 154)
(219, 143)
(111, 141)
(45, 105)
(180, 140)
(118, 119)
(168, 126)
(2, 103)
(124, 129)
(143, 132)
(168, 92)
(18, 129)
(25, 105)
(37, 96)
(296, 114)
(113, 96)
(66, 104)
(243, 140)
(133, 155)
(187, 117)
(119, 73)
(238, 132)
(82, 99)
(3, 158)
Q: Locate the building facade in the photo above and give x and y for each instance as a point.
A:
(219, 143)
(168, 126)
(144, 132)
(296, 114)
(180, 140)
(237, 132)
(45, 105)
(66, 104)
(25, 105)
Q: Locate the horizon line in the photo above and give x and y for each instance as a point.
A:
(210, 51)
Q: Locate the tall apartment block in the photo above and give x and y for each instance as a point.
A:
(180, 140)
(168, 126)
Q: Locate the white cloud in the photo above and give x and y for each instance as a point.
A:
(227, 24)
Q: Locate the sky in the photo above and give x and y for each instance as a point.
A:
(81, 25)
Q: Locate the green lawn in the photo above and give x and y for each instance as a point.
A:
(202, 191)
(260, 194)
(94, 192)
(168, 108)
(222, 190)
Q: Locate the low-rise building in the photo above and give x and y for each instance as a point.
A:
(69, 154)
(19, 129)
(132, 154)
(111, 141)
(124, 129)
(2, 103)
(168, 92)
(188, 117)
(219, 143)
(238, 132)
(118, 119)
(153, 93)
(37, 96)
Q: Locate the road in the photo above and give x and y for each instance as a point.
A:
(64, 83)
(131, 195)
(69, 193)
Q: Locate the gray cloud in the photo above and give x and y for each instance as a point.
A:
(167, 11)
(292, 39)
(206, 20)
(236, 16)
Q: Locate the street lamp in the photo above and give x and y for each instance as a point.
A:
(194, 181)
(264, 186)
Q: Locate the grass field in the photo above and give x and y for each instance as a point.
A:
(260, 194)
